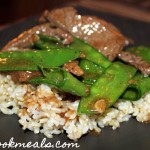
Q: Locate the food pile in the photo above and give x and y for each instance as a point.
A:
(72, 73)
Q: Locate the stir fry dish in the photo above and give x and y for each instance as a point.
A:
(74, 73)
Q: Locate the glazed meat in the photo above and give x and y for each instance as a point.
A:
(97, 32)
(23, 76)
(26, 39)
(135, 61)
(73, 68)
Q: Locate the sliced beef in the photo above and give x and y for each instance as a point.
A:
(135, 61)
(95, 31)
(73, 68)
(26, 39)
(22, 76)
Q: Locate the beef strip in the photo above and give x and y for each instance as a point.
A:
(73, 68)
(135, 61)
(26, 39)
(97, 32)
(22, 76)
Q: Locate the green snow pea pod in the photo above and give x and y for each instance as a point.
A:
(31, 59)
(62, 80)
(47, 42)
(142, 85)
(90, 52)
(107, 89)
(49, 38)
(91, 70)
(45, 45)
(132, 93)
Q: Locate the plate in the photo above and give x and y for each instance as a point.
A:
(131, 135)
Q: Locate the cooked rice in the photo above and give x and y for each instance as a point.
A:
(41, 110)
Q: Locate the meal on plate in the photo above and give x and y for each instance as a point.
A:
(74, 73)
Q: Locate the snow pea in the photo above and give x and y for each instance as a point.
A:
(47, 42)
(31, 59)
(44, 45)
(90, 52)
(107, 89)
(91, 70)
(49, 38)
(62, 80)
(138, 87)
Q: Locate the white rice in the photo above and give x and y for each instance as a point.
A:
(41, 110)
